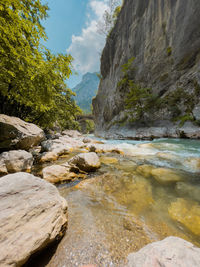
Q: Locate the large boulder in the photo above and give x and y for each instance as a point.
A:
(32, 215)
(86, 161)
(15, 161)
(170, 252)
(18, 134)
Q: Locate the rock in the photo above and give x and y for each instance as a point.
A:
(48, 157)
(170, 252)
(58, 173)
(131, 196)
(196, 112)
(145, 170)
(72, 133)
(58, 147)
(166, 176)
(192, 191)
(15, 161)
(187, 213)
(154, 40)
(104, 148)
(3, 169)
(18, 134)
(87, 140)
(32, 215)
(86, 161)
(108, 160)
(54, 149)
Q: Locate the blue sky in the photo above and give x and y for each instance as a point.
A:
(72, 28)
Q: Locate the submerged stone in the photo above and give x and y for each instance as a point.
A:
(187, 213)
(166, 176)
(108, 160)
(184, 189)
(145, 170)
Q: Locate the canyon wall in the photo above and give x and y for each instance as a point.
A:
(163, 38)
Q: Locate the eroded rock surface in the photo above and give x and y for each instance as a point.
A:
(170, 252)
(163, 38)
(58, 173)
(32, 215)
(86, 161)
(15, 161)
(18, 134)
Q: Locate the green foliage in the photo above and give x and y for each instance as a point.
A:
(127, 66)
(32, 80)
(116, 13)
(138, 98)
(184, 118)
(89, 126)
(169, 51)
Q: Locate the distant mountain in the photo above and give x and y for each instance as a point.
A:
(86, 90)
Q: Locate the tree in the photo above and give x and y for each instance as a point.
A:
(110, 16)
(32, 80)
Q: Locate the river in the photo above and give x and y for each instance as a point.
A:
(149, 192)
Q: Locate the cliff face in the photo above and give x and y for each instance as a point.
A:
(164, 38)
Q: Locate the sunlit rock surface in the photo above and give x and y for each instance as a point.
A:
(32, 215)
(86, 161)
(18, 134)
(172, 252)
(15, 161)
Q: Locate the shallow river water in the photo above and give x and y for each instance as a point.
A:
(149, 192)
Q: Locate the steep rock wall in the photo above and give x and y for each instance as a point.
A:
(164, 38)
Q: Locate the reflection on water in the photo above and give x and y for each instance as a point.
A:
(151, 192)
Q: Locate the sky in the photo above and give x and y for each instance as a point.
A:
(72, 28)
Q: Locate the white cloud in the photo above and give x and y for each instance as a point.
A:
(87, 47)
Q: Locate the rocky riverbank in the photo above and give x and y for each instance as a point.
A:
(128, 182)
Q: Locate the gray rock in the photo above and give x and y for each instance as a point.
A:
(18, 134)
(170, 252)
(72, 133)
(86, 161)
(87, 140)
(196, 112)
(158, 34)
(32, 215)
(15, 161)
(55, 148)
